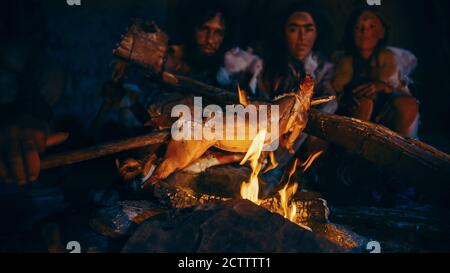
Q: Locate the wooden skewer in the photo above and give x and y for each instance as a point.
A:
(102, 150)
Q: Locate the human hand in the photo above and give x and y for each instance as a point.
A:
(370, 90)
(21, 142)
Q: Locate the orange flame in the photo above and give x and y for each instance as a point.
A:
(250, 190)
(310, 160)
(286, 194)
(242, 96)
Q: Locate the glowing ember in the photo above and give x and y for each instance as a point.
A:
(250, 190)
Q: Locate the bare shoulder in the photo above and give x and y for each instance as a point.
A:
(387, 56)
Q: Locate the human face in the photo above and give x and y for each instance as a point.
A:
(368, 32)
(301, 34)
(210, 35)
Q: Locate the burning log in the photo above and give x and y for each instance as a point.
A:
(412, 229)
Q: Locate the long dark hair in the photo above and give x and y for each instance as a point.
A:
(276, 54)
(348, 44)
(199, 13)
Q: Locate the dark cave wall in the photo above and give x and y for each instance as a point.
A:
(81, 38)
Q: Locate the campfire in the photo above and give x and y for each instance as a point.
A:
(193, 183)
(182, 193)
(183, 189)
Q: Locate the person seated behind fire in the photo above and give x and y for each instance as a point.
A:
(199, 56)
(372, 79)
(295, 51)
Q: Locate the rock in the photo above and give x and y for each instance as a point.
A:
(74, 227)
(123, 218)
(231, 227)
(22, 207)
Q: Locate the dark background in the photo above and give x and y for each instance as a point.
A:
(82, 37)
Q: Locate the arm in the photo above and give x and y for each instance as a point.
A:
(390, 73)
(343, 74)
(385, 80)
(24, 129)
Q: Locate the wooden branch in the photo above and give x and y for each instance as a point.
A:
(198, 88)
(102, 150)
(411, 159)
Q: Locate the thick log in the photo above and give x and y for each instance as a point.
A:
(412, 229)
(411, 159)
(102, 150)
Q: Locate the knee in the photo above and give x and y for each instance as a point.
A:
(363, 109)
(365, 103)
(406, 106)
